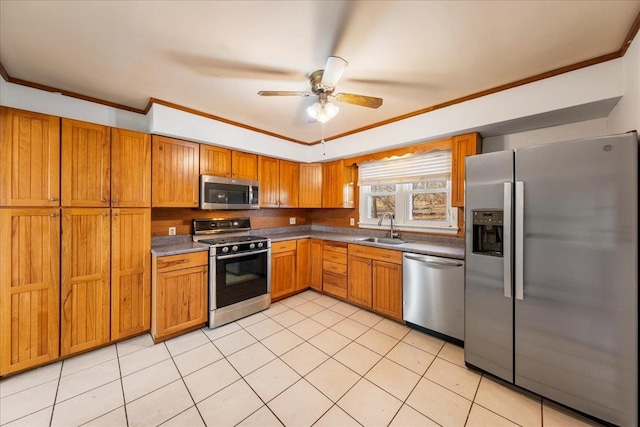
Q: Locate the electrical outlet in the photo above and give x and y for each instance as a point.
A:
(352, 221)
(172, 231)
(292, 221)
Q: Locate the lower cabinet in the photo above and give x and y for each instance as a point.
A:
(315, 264)
(334, 268)
(29, 287)
(375, 279)
(179, 297)
(85, 296)
(283, 269)
(303, 274)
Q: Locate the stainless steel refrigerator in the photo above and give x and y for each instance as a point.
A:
(551, 276)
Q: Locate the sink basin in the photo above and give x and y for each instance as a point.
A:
(383, 240)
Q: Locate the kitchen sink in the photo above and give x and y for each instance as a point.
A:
(383, 240)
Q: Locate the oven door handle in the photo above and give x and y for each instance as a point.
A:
(221, 257)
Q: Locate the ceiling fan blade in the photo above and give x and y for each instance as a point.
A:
(361, 100)
(333, 71)
(282, 93)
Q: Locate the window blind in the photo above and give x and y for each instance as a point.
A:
(419, 167)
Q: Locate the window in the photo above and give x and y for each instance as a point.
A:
(416, 189)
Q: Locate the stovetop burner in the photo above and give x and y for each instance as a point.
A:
(228, 236)
(230, 240)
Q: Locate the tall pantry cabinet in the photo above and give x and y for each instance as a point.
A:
(75, 224)
(29, 239)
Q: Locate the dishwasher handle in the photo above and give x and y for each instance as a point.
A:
(430, 261)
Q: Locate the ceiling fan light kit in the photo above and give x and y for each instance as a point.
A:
(323, 84)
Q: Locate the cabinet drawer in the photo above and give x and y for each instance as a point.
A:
(375, 253)
(335, 247)
(334, 257)
(180, 261)
(334, 284)
(334, 267)
(286, 246)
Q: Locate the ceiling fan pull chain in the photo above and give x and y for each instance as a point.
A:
(324, 151)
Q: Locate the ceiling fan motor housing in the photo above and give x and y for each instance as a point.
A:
(316, 83)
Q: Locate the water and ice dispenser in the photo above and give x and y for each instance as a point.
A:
(488, 231)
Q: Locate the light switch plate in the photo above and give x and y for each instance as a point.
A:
(172, 231)
(292, 221)
(352, 221)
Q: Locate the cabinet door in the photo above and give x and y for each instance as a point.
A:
(29, 158)
(268, 176)
(181, 300)
(29, 287)
(130, 272)
(387, 288)
(175, 171)
(288, 184)
(315, 264)
(85, 292)
(310, 187)
(86, 161)
(461, 147)
(244, 165)
(215, 161)
(283, 273)
(130, 169)
(337, 185)
(359, 289)
(302, 263)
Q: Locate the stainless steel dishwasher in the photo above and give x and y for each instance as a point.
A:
(433, 293)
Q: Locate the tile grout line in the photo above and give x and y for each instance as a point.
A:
(53, 407)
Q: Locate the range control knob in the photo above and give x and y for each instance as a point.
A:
(225, 249)
(252, 245)
(260, 244)
(235, 223)
(234, 248)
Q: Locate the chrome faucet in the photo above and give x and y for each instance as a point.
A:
(392, 234)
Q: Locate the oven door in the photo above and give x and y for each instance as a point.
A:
(239, 277)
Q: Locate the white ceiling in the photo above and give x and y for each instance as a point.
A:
(214, 56)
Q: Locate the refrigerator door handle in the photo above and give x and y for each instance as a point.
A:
(519, 246)
(506, 255)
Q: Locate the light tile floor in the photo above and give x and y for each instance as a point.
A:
(308, 360)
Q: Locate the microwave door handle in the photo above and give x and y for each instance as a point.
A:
(222, 257)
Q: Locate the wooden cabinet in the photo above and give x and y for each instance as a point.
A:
(315, 264)
(310, 187)
(130, 272)
(334, 268)
(375, 279)
(29, 159)
(303, 251)
(85, 295)
(338, 182)
(130, 169)
(179, 296)
(215, 161)
(86, 161)
(244, 165)
(283, 269)
(175, 171)
(461, 147)
(29, 287)
(278, 182)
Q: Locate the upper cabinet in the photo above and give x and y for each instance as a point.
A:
(461, 147)
(86, 158)
(130, 169)
(338, 185)
(29, 159)
(175, 172)
(310, 190)
(278, 182)
(244, 165)
(215, 161)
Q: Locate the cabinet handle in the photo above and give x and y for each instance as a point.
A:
(53, 199)
(105, 200)
(105, 213)
(53, 215)
(115, 214)
(195, 203)
(114, 200)
(386, 256)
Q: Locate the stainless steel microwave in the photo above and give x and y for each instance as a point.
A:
(228, 193)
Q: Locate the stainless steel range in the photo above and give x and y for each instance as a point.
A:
(239, 268)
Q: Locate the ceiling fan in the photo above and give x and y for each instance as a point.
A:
(323, 84)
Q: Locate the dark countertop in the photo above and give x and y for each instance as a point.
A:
(418, 247)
